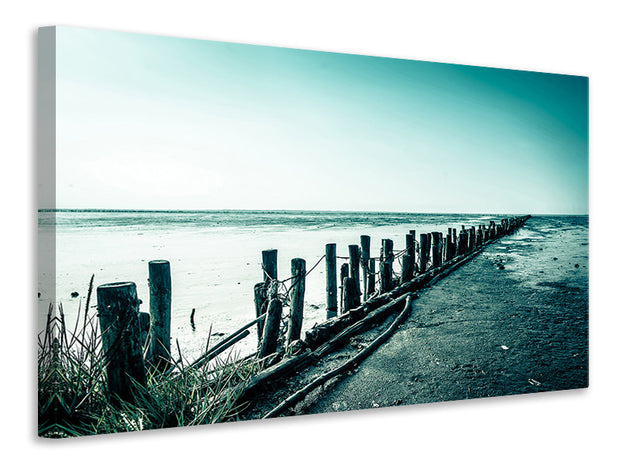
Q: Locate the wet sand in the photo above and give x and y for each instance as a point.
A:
(514, 320)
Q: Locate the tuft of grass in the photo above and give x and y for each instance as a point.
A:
(74, 399)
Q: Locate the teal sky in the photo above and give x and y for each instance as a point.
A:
(166, 123)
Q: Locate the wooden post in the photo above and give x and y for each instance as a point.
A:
(354, 268)
(260, 304)
(443, 248)
(270, 272)
(412, 250)
(435, 250)
(145, 326)
(297, 291)
(117, 307)
(385, 267)
(365, 242)
(349, 293)
(462, 244)
(344, 273)
(407, 271)
(269, 342)
(160, 304)
(371, 276)
(453, 253)
(423, 252)
(332, 280)
(449, 245)
(410, 245)
(408, 268)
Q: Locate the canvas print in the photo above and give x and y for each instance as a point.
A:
(231, 232)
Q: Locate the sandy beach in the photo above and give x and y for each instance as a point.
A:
(215, 260)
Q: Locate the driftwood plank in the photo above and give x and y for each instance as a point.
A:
(356, 360)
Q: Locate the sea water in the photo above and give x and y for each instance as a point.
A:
(215, 259)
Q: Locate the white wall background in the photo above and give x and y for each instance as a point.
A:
(560, 37)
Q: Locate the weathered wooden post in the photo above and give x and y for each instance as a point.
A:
(331, 274)
(145, 326)
(410, 246)
(479, 237)
(412, 249)
(160, 304)
(407, 269)
(385, 266)
(344, 273)
(365, 243)
(449, 255)
(349, 293)
(269, 342)
(423, 252)
(443, 248)
(354, 268)
(408, 260)
(462, 244)
(297, 291)
(435, 249)
(117, 307)
(260, 304)
(371, 276)
(270, 272)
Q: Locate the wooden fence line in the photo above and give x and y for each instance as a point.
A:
(124, 328)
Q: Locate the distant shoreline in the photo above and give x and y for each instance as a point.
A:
(231, 210)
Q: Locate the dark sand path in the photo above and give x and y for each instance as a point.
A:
(489, 329)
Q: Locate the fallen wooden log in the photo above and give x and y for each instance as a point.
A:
(282, 368)
(365, 323)
(300, 361)
(356, 360)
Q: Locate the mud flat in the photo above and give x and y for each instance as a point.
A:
(514, 320)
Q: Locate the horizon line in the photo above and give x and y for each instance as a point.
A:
(193, 210)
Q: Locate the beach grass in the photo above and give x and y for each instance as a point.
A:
(74, 399)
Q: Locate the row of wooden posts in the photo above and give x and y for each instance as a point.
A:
(358, 277)
(124, 328)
